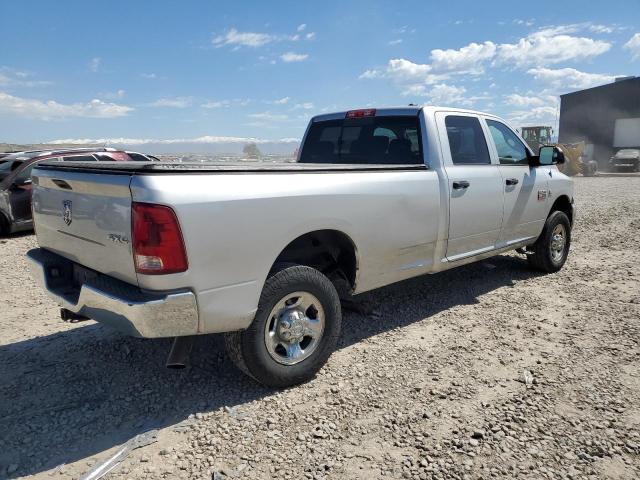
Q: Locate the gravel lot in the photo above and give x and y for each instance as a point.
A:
(429, 384)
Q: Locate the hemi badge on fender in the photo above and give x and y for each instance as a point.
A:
(542, 195)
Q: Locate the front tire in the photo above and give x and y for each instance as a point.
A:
(295, 329)
(552, 247)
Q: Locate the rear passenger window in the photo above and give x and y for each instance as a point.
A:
(511, 151)
(466, 141)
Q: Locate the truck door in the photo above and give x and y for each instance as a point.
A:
(526, 194)
(475, 186)
(20, 194)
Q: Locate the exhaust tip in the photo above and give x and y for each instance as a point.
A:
(180, 353)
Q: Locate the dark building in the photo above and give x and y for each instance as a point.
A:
(590, 115)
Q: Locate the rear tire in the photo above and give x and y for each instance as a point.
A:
(552, 247)
(295, 329)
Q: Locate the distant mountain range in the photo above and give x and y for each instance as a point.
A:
(201, 145)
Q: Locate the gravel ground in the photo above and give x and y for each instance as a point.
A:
(431, 384)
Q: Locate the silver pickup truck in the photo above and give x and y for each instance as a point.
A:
(266, 252)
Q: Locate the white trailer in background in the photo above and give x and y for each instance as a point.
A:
(626, 142)
(627, 133)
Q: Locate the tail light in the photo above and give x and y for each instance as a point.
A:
(158, 247)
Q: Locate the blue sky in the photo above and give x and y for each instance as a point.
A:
(185, 70)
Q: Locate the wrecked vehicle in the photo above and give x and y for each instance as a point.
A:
(265, 252)
(625, 159)
(15, 180)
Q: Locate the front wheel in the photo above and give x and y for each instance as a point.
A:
(552, 247)
(295, 329)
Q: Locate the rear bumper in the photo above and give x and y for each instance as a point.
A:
(117, 304)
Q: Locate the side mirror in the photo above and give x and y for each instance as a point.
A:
(549, 155)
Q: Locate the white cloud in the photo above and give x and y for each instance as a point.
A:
(215, 104)
(268, 116)
(117, 95)
(530, 100)
(49, 110)
(244, 39)
(237, 39)
(405, 70)
(549, 47)
(542, 48)
(466, 60)
(443, 94)
(373, 73)
(526, 23)
(293, 57)
(569, 77)
(406, 73)
(303, 106)
(176, 102)
(149, 76)
(534, 116)
(633, 45)
(397, 41)
(281, 101)
(597, 28)
(10, 77)
(94, 64)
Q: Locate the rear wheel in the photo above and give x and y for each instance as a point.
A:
(552, 247)
(295, 329)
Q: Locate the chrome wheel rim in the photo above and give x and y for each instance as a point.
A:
(294, 328)
(558, 242)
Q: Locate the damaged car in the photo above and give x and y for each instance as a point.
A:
(15, 179)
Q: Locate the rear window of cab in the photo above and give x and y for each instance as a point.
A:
(386, 140)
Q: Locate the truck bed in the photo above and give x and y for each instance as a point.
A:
(219, 167)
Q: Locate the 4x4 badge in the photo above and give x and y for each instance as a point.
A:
(66, 212)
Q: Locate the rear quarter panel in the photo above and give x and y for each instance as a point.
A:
(236, 225)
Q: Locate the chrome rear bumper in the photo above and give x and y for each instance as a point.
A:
(117, 304)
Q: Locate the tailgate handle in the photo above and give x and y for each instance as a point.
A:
(62, 184)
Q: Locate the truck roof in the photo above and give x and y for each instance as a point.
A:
(398, 111)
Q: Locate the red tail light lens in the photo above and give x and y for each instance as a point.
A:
(158, 247)
(369, 112)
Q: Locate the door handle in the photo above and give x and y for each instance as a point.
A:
(512, 181)
(460, 184)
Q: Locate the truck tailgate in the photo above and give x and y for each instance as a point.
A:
(86, 217)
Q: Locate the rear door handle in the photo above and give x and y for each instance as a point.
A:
(512, 181)
(460, 184)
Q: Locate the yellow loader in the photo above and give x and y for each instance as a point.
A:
(576, 158)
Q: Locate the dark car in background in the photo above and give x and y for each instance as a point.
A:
(626, 159)
(15, 179)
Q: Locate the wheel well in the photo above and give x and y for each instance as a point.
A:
(563, 204)
(329, 251)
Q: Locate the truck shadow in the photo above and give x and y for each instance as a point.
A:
(71, 395)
